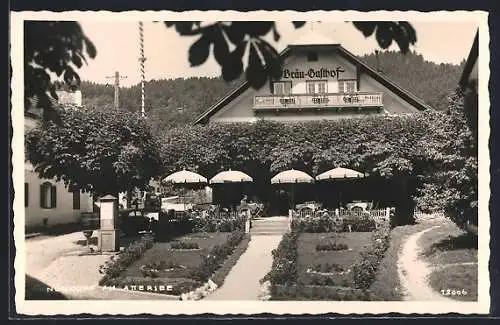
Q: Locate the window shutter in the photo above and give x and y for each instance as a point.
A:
(53, 196)
(76, 200)
(42, 196)
(26, 195)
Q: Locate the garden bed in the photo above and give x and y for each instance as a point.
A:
(177, 271)
(345, 271)
(340, 261)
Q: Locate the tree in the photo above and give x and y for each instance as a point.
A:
(101, 152)
(57, 47)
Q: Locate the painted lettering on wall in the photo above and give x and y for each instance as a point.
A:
(313, 73)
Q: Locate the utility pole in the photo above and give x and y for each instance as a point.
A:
(117, 78)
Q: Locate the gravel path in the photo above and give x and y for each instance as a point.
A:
(41, 252)
(413, 271)
(242, 282)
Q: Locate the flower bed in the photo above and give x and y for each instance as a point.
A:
(320, 224)
(365, 270)
(331, 246)
(184, 245)
(157, 265)
(300, 272)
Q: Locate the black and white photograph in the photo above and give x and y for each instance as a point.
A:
(274, 162)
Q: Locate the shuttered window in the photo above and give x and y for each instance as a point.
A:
(26, 195)
(48, 196)
(76, 200)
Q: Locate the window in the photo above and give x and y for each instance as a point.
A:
(48, 196)
(26, 195)
(312, 56)
(282, 87)
(347, 86)
(76, 200)
(316, 87)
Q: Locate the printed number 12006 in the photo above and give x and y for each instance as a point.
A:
(453, 292)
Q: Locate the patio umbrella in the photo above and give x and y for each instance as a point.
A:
(339, 173)
(292, 177)
(185, 177)
(230, 176)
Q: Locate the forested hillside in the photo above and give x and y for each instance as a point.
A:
(427, 80)
(180, 101)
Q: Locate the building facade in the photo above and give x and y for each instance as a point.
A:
(318, 82)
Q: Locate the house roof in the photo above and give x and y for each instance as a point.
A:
(409, 97)
(471, 61)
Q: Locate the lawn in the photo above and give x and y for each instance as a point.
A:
(178, 262)
(453, 255)
(329, 267)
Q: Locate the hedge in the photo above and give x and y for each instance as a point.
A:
(284, 267)
(428, 146)
(313, 292)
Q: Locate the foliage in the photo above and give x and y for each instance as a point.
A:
(365, 270)
(320, 292)
(116, 265)
(284, 267)
(216, 257)
(432, 82)
(331, 246)
(415, 146)
(57, 47)
(452, 184)
(212, 223)
(101, 152)
(319, 224)
(184, 245)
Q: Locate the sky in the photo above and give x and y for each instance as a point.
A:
(166, 52)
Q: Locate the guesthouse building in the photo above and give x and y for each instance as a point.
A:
(319, 81)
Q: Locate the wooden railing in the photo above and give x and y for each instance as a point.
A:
(358, 99)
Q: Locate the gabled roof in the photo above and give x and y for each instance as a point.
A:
(471, 61)
(409, 97)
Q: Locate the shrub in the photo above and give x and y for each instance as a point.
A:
(284, 267)
(364, 271)
(117, 264)
(184, 245)
(332, 246)
(215, 258)
(333, 224)
(319, 292)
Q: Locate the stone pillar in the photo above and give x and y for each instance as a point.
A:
(108, 234)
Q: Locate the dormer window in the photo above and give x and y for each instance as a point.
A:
(312, 56)
(282, 87)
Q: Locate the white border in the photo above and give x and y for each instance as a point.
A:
(243, 307)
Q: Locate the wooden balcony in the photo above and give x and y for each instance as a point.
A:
(334, 100)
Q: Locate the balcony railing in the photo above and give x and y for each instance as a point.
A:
(359, 99)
